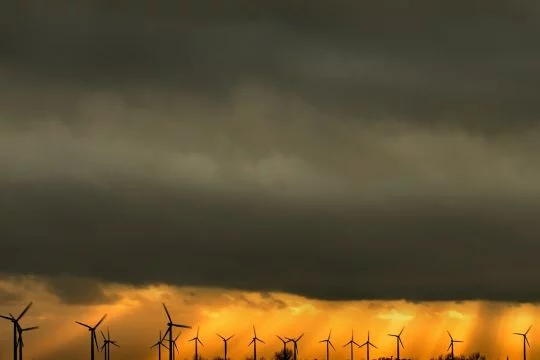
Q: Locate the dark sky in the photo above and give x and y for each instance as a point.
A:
(333, 149)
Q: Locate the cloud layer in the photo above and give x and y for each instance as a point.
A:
(343, 151)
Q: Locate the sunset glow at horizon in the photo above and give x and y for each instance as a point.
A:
(137, 316)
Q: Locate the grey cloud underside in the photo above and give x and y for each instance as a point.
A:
(469, 62)
(141, 235)
(343, 150)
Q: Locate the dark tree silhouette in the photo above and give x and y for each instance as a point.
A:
(280, 355)
(473, 356)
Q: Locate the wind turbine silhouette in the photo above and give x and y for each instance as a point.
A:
(295, 342)
(328, 343)
(525, 341)
(351, 343)
(15, 321)
(106, 347)
(452, 341)
(20, 344)
(398, 341)
(170, 325)
(367, 344)
(225, 341)
(177, 350)
(159, 344)
(254, 342)
(93, 338)
(197, 341)
(284, 346)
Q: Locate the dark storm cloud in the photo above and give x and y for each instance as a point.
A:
(140, 236)
(75, 290)
(471, 62)
(341, 150)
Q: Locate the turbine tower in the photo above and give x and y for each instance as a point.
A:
(106, 347)
(295, 342)
(170, 325)
(367, 344)
(351, 343)
(93, 338)
(398, 341)
(159, 344)
(328, 344)
(254, 342)
(20, 342)
(15, 321)
(452, 341)
(284, 346)
(225, 341)
(197, 341)
(525, 342)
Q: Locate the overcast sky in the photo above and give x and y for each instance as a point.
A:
(336, 150)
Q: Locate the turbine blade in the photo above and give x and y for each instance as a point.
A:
(220, 336)
(449, 346)
(24, 311)
(254, 332)
(183, 326)
(279, 337)
(100, 321)
(103, 336)
(401, 332)
(401, 342)
(331, 345)
(527, 341)
(261, 341)
(451, 338)
(373, 345)
(31, 328)
(7, 317)
(364, 344)
(229, 338)
(252, 340)
(167, 312)
(301, 336)
(115, 344)
(80, 323)
(526, 332)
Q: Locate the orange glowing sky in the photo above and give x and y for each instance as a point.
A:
(137, 316)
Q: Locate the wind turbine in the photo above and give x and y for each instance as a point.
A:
(351, 343)
(295, 342)
(284, 346)
(225, 340)
(367, 344)
(398, 341)
(197, 341)
(93, 338)
(328, 343)
(176, 346)
(170, 325)
(20, 342)
(254, 342)
(452, 341)
(159, 344)
(107, 344)
(525, 341)
(15, 321)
